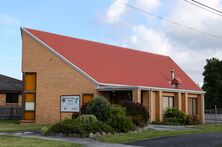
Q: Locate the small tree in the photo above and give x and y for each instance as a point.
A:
(213, 83)
(138, 113)
(98, 107)
(118, 119)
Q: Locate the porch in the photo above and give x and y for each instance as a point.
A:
(158, 100)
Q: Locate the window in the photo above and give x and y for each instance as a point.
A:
(192, 106)
(86, 98)
(12, 98)
(168, 102)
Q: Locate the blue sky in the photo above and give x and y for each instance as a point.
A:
(110, 22)
(73, 18)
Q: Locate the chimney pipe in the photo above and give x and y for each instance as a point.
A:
(172, 74)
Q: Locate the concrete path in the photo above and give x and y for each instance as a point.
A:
(167, 127)
(191, 140)
(84, 141)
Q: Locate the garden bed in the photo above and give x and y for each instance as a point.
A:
(99, 118)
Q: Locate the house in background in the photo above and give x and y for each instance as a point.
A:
(62, 73)
(10, 98)
(10, 91)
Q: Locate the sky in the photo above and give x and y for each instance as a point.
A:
(114, 23)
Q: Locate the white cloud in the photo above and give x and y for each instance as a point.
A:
(149, 40)
(149, 5)
(115, 11)
(197, 18)
(8, 20)
(191, 60)
(188, 49)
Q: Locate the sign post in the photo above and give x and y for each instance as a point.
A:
(70, 103)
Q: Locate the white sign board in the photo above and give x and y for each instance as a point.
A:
(29, 106)
(70, 103)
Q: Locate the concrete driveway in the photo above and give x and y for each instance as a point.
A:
(192, 140)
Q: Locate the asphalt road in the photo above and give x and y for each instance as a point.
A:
(192, 140)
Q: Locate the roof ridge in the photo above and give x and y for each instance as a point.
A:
(93, 41)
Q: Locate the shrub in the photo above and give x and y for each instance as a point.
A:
(97, 126)
(118, 119)
(98, 107)
(138, 113)
(174, 117)
(75, 115)
(78, 127)
(192, 120)
(83, 109)
(87, 119)
(44, 130)
(67, 126)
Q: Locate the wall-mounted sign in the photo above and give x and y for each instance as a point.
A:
(70, 103)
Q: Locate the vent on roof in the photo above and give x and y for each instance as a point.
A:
(175, 81)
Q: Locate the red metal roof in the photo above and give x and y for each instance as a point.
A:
(116, 65)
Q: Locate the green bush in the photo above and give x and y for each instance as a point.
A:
(75, 115)
(118, 119)
(68, 126)
(97, 126)
(44, 130)
(98, 107)
(192, 120)
(138, 113)
(79, 127)
(174, 117)
(83, 109)
(87, 119)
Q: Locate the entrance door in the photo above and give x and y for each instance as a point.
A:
(86, 98)
(29, 95)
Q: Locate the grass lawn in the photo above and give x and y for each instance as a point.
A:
(154, 134)
(33, 142)
(13, 126)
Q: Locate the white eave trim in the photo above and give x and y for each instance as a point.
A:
(113, 87)
(61, 57)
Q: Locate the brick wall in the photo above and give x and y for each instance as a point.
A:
(2, 99)
(54, 78)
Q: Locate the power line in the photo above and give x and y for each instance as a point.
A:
(206, 6)
(171, 21)
(202, 7)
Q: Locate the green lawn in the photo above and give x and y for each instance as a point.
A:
(33, 142)
(154, 134)
(14, 126)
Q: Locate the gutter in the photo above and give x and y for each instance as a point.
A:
(111, 87)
